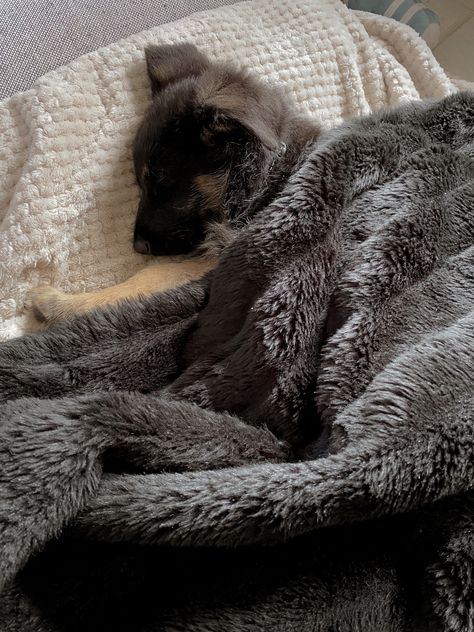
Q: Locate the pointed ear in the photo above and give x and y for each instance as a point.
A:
(262, 130)
(219, 127)
(244, 103)
(169, 63)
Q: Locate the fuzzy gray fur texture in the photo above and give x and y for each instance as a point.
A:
(286, 445)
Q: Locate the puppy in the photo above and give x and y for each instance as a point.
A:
(215, 147)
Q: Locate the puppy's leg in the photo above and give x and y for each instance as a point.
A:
(49, 305)
(134, 347)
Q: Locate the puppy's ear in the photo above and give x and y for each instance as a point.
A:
(169, 63)
(240, 101)
(219, 128)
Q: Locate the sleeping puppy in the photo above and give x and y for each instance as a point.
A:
(215, 147)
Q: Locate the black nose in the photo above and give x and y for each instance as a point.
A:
(141, 246)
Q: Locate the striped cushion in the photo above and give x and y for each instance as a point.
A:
(415, 14)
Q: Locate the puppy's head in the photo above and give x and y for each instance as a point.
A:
(204, 121)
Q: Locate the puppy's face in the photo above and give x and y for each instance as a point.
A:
(203, 116)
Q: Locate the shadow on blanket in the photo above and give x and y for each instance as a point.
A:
(158, 460)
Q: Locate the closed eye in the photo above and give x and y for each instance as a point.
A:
(156, 173)
(160, 185)
(155, 186)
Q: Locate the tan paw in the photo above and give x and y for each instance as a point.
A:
(46, 304)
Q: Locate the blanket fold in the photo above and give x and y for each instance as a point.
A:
(314, 394)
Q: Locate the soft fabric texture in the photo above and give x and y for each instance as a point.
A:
(36, 37)
(39, 36)
(68, 194)
(416, 14)
(329, 357)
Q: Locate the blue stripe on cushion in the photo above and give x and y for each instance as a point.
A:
(402, 9)
(420, 21)
(423, 19)
(372, 6)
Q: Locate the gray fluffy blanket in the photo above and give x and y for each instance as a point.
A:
(285, 445)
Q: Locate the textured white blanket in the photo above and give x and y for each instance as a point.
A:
(67, 197)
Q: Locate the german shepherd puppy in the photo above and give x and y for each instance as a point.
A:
(215, 146)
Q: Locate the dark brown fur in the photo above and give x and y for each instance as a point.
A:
(215, 146)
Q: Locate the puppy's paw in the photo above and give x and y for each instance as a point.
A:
(47, 305)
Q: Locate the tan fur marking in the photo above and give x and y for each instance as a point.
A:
(49, 305)
(212, 188)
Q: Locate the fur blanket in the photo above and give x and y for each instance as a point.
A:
(285, 445)
(68, 195)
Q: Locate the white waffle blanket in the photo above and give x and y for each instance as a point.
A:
(67, 196)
